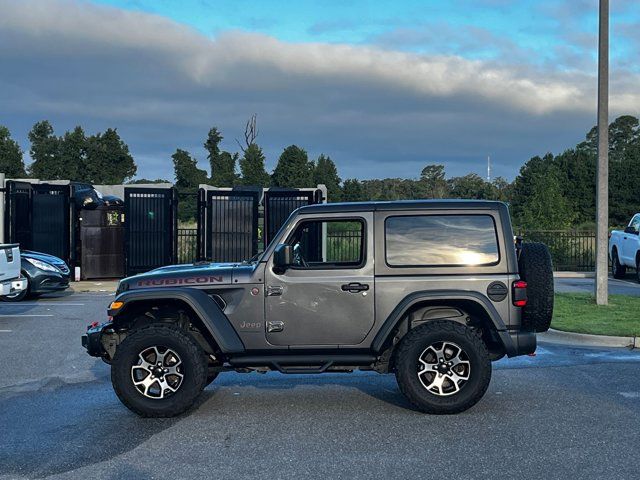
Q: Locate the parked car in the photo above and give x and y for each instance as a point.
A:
(431, 291)
(42, 273)
(11, 283)
(624, 249)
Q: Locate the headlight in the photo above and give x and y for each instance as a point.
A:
(41, 265)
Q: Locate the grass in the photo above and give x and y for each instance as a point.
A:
(578, 312)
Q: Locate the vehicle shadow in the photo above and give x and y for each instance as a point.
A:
(379, 387)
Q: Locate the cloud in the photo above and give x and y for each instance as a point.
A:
(376, 110)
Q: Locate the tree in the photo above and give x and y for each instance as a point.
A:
(108, 159)
(223, 164)
(72, 155)
(502, 189)
(293, 169)
(188, 176)
(624, 171)
(44, 152)
(139, 181)
(325, 172)
(11, 163)
(252, 167)
(433, 183)
(472, 186)
(538, 202)
(187, 173)
(352, 190)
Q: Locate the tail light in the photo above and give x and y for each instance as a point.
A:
(519, 293)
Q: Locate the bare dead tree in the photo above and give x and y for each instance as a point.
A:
(250, 133)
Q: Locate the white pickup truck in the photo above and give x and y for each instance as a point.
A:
(624, 249)
(10, 264)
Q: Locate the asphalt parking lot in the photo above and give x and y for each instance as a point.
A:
(626, 286)
(565, 413)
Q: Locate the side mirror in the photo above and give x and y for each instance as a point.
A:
(283, 256)
(631, 230)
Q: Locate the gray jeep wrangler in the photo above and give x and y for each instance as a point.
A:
(432, 291)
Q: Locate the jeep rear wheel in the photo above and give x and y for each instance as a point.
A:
(158, 371)
(442, 367)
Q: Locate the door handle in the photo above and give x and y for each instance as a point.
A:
(355, 287)
(275, 326)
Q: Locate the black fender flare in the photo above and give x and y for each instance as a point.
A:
(202, 305)
(389, 325)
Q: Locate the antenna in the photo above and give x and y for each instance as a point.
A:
(488, 168)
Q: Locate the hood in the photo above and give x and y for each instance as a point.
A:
(44, 257)
(188, 275)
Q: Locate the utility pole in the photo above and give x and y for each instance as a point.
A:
(602, 180)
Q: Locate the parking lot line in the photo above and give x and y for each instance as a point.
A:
(5, 331)
(25, 315)
(62, 304)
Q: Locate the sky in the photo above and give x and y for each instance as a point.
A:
(383, 88)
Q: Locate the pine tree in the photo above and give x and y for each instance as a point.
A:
(252, 167)
(223, 164)
(108, 159)
(11, 163)
(326, 173)
(44, 152)
(293, 169)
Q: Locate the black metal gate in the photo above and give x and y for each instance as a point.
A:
(38, 218)
(18, 213)
(102, 243)
(150, 228)
(278, 205)
(228, 225)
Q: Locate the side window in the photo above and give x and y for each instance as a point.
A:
(321, 244)
(441, 240)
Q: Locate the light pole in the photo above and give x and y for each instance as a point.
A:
(602, 180)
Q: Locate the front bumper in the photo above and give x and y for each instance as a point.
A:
(45, 282)
(13, 286)
(92, 340)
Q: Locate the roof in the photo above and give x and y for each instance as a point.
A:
(440, 204)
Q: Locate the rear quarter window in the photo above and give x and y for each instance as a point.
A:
(441, 240)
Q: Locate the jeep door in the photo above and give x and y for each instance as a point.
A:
(326, 297)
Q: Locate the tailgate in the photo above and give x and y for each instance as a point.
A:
(9, 262)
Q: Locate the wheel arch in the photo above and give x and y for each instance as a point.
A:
(165, 305)
(467, 308)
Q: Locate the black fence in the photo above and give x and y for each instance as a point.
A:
(572, 251)
(187, 245)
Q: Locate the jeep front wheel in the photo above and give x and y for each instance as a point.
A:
(442, 367)
(158, 371)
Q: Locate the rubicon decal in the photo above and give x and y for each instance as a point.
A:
(165, 282)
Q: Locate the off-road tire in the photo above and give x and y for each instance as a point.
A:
(414, 343)
(193, 358)
(535, 268)
(617, 270)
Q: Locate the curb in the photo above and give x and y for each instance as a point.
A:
(108, 286)
(583, 339)
(574, 274)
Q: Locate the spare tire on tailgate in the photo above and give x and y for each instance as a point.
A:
(535, 267)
